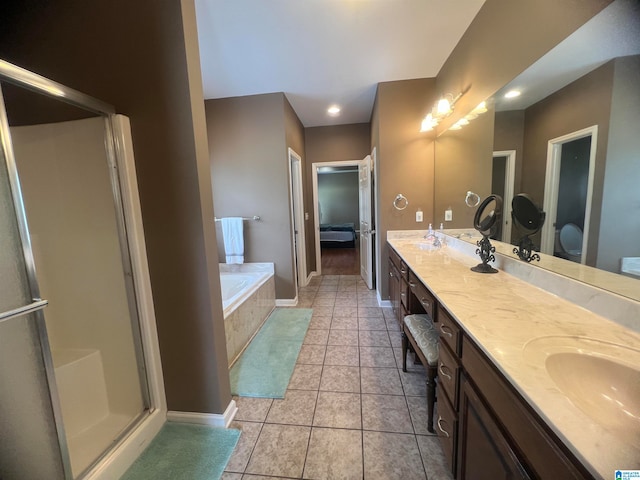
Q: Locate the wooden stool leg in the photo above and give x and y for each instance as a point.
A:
(431, 396)
(405, 342)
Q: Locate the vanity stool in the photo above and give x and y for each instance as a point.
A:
(423, 336)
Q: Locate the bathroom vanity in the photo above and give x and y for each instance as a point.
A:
(529, 385)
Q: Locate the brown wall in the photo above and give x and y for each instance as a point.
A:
(505, 38)
(508, 134)
(250, 176)
(405, 161)
(621, 192)
(463, 162)
(329, 144)
(581, 104)
(150, 71)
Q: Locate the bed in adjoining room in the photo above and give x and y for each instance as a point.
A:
(337, 235)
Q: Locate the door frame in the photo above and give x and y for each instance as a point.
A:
(316, 214)
(509, 185)
(552, 184)
(296, 198)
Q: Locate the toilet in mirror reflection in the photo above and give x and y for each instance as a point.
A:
(569, 242)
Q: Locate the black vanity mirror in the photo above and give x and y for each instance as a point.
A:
(486, 221)
(529, 219)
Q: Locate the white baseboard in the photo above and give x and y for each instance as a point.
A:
(311, 275)
(211, 419)
(383, 303)
(287, 302)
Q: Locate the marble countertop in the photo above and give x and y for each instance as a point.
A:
(505, 316)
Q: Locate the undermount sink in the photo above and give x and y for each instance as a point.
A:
(426, 246)
(600, 378)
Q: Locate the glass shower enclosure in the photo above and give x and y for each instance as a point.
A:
(73, 381)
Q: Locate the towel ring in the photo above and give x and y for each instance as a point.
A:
(472, 199)
(400, 202)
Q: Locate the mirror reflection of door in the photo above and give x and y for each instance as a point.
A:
(502, 180)
(568, 194)
(572, 199)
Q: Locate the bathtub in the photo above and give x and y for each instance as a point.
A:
(248, 297)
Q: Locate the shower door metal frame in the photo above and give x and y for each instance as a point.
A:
(18, 76)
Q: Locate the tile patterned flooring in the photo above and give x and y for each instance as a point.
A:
(349, 412)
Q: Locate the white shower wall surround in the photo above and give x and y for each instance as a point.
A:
(248, 297)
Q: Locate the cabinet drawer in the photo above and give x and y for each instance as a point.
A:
(446, 428)
(449, 331)
(399, 263)
(422, 296)
(448, 374)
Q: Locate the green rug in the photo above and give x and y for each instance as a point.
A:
(184, 451)
(265, 367)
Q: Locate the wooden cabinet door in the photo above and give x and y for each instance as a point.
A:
(484, 452)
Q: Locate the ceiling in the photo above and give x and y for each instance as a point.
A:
(324, 52)
(614, 32)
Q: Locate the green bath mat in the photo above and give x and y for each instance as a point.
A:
(184, 451)
(265, 367)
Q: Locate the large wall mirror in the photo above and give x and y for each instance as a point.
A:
(571, 141)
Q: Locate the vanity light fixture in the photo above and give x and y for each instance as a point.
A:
(441, 109)
(333, 110)
(479, 110)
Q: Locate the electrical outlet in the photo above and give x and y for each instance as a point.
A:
(448, 215)
(419, 216)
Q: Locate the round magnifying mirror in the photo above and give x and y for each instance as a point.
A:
(488, 214)
(526, 214)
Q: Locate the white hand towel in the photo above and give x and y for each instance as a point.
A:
(232, 233)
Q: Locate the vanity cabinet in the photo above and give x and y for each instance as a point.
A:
(486, 429)
(484, 451)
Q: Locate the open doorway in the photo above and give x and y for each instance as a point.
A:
(338, 217)
(568, 194)
(343, 224)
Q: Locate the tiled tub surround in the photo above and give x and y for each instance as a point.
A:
(248, 297)
(503, 314)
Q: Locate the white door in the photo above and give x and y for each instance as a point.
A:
(366, 227)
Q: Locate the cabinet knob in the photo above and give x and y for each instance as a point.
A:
(412, 285)
(425, 302)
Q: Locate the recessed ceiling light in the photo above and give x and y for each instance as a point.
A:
(333, 110)
(512, 94)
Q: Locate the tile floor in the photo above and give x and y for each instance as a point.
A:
(349, 412)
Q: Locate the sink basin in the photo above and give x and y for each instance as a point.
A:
(426, 246)
(600, 378)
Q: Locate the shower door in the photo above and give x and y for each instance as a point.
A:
(73, 381)
(30, 427)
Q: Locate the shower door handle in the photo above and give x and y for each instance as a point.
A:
(16, 312)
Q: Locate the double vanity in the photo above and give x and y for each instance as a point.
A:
(530, 385)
